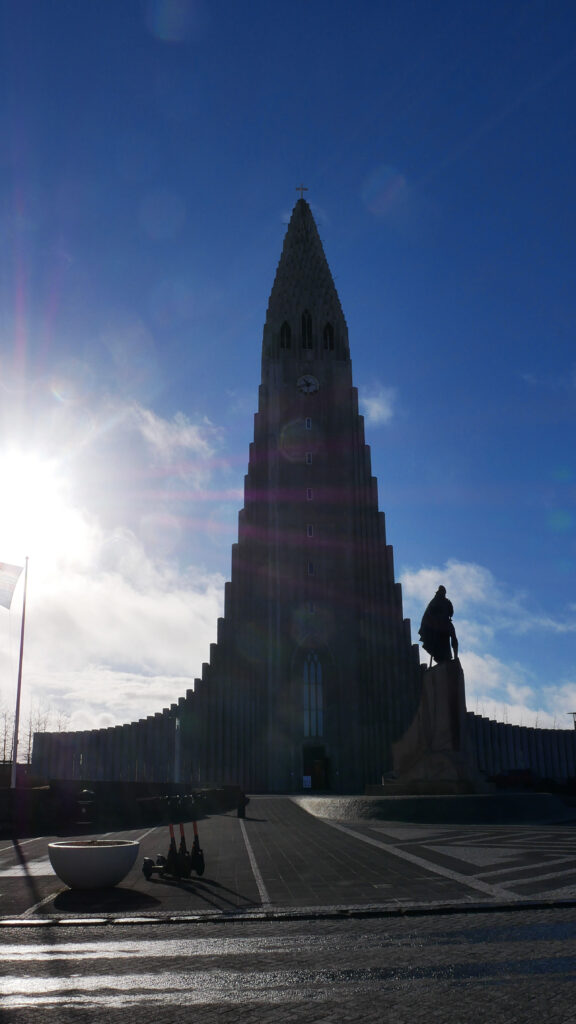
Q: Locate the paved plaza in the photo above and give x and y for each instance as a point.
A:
(300, 918)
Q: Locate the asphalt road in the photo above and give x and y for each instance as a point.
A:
(468, 967)
(298, 918)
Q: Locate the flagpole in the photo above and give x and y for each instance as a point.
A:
(19, 687)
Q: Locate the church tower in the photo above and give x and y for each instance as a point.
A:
(313, 675)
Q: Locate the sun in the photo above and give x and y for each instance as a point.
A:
(37, 516)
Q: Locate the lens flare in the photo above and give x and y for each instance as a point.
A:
(37, 515)
(162, 215)
(560, 520)
(384, 190)
(170, 20)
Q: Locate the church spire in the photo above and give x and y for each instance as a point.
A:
(303, 287)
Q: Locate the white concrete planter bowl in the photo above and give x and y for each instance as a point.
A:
(93, 863)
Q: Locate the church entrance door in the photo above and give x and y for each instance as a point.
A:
(315, 767)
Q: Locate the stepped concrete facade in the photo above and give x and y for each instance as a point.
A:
(157, 749)
(313, 676)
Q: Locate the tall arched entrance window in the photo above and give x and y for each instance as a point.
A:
(313, 700)
(314, 760)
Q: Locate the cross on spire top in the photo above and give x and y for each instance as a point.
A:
(301, 189)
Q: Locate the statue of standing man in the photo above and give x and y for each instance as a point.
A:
(437, 631)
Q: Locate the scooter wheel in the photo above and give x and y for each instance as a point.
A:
(199, 863)
(148, 868)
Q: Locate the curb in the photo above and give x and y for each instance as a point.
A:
(334, 913)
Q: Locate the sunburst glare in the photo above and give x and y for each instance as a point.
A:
(37, 515)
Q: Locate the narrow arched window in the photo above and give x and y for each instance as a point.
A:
(312, 694)
(328, 335)
(285, 335)
(306, 329)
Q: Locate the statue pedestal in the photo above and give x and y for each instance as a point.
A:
(431, 756)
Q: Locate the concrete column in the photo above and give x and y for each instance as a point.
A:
(149, 748)
(571, 752)
(55, 743)
(492, 745)
(561, 749)
(198, 735)
(484, 749)
(495, 741)
(117, 752)
(540, 759)
(174, 746)
(39, 754)
(512, 734)
(181, 773)
(514, 744)
(565, 734)
(103, 753)
(532, 752)
(484, 745)
(548, 765)
(157, 751)
(108, 765)
(568, 749)
(557, 764)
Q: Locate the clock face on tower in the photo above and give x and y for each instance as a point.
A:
(307, 384)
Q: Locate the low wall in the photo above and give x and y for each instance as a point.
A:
(499, 748)
(66, 807)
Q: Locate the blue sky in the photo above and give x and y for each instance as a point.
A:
(151, 153)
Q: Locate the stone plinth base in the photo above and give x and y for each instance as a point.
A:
(475, 809)
(424, 787)
(431, 756)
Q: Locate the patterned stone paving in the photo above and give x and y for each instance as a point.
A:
(282, 859)
(300, 919)
(512, 861)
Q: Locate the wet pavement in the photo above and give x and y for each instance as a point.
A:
(503, 967)
(301, 918)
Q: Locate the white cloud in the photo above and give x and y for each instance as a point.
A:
(129, 696)
(118, 622)
(474, 588)
(170, 438)
(112, 645)
(377, 404)
(467, 584)
(488, 673)
(511, 694)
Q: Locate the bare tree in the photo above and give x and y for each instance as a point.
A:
(6, 733)
(60, 720)
(42, 718)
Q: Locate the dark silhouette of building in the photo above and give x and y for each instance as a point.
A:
(313, 675)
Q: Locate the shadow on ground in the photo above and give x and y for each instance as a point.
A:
(103, 901)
